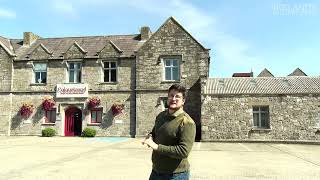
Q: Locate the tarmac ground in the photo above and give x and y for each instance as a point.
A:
(116, 158)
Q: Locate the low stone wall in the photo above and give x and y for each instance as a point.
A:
(292, 117)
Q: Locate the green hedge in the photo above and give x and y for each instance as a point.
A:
(48, 132)
(89, 132)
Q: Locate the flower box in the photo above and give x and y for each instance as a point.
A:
(93, 102)
(117, 108)
(26, 110)
(48, 103)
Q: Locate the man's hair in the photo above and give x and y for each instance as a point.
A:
(179, 88)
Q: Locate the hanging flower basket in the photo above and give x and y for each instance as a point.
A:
(26, 110)
(93, 102)
(117, 108)
(48, 103)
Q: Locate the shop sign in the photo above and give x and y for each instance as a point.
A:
(72, 90)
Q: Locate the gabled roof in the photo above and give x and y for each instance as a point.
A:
(113, 45)
(5, 44)
(265, 73)
(43, 47)
(297, 72)
(128, 44)
(77, 46)
(263, 85)
(178, 24)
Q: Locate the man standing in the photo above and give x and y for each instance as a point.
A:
(171, 139)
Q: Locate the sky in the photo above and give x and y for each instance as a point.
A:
(243, 35)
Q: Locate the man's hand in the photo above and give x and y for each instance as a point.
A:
(149, 142)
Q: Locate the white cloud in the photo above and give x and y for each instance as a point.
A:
(205, 27)
(7, 13)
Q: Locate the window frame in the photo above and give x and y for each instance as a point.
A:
(110, 68)
(96, 110)
(260, 120)
(171, 66)
(39, 71)
(50, 113)
(74, 73)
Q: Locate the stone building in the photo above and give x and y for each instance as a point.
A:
(131, 71)
(261, 108)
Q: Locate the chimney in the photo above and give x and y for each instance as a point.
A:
(29, 38)
(145, 33)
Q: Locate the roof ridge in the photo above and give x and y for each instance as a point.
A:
(87, 36)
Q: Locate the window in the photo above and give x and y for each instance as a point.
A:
(171, 69)
(40, 73)
(50, 116)
(96, 115)
(110, 71)
(74, 72)
(261, 117)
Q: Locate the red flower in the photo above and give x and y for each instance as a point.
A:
(48, 104)
(117, 108)
(26, 110)
(93, 102)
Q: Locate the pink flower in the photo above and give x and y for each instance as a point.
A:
(26, 110)
(93, 102)
(117, 109)
(48, 104)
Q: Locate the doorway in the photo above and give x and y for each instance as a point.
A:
(73, 122)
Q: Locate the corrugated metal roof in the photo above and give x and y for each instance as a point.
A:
(263, 85)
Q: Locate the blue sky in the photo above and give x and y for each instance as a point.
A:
(242, 35)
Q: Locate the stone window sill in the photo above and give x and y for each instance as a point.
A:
(38, 84)
(93, 124)
(261, 129)
(167, 82)
(109, 83)
(48, 124)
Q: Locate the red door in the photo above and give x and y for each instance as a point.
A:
(73, 122)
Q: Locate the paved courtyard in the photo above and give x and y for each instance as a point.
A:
(75, 158)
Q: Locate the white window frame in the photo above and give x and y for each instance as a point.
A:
(171, 66)
(259, 112)
(110, 68)
(75, 72)
(39, 71)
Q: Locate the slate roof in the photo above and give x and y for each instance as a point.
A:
(297, 72)
(263, 85)
(6, 45)
(265, 73)
(128, 44)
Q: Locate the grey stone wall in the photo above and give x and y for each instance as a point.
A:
(292, 117)
(39, 53)
(4, 113)
(92, 74)
(5, 71)
(170, 39)
(111, 125)
(74, 53)
(148, 107)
